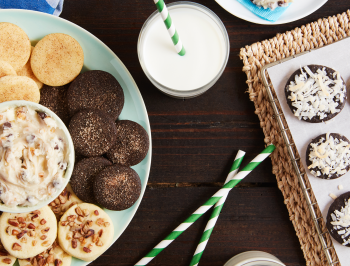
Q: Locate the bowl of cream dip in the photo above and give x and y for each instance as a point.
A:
(36, 156)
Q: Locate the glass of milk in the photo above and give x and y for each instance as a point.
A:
(254, 258)
(207, 50)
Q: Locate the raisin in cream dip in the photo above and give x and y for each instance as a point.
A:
(272, 4)
(33, 156)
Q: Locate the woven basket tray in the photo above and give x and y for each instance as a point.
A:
(313, 35)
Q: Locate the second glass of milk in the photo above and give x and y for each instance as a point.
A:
(207, 50)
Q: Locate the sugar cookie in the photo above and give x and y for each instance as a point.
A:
(28, 72)
(14, 45)
(64, 201)
(57, 59)
(5, 258)
(6, 69)
(18, 88)
(53, 256)
(85, 231)
(25, 235)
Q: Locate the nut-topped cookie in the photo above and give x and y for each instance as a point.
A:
(315, 93)
(328, 156)
(64, 201)
(85, 231)
(5, 258)
(53, 256)
(25, 235)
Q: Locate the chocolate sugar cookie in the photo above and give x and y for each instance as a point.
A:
(117, 187)
(132, 144)
(83, 177)
(55, 98)
(338, 219)
(328, 156)
(315, 93)
(97, 89)
(93, 132)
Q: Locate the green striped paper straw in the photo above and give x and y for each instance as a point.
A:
(207, 205)
(180, 49)
(216, 212)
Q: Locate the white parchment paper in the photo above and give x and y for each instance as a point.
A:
(336, 56)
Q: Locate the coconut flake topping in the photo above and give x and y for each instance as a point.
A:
(315, 94)
(341, 222)
(330, 156)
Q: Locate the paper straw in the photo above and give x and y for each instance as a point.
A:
(180, 49)
(207, 205)
(216, 212)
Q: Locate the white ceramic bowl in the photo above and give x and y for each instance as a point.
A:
(71, 157)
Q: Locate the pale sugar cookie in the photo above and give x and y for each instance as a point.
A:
(18, 88)
(57, 59)
(5, 258)
(25, 235)
(53, 256)
(28, 72)
(6, 69)
(14, 45)
(85, 231)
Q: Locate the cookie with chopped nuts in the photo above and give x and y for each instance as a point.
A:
(53, 256)
(83, 177)
(132, 144)
(85, 231)
(117, 187)
(64, 201)
(5, 258)
(25, 235)
(93, 132)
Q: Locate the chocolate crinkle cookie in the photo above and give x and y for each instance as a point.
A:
(55, 98)
(338, 219)
(83, 177)
(328, 156)
(117, 187)
(96, 89)
(93, 132)
(132, 144)
(315, 93)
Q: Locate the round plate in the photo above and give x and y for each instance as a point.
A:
(297, 10)
(97, 56)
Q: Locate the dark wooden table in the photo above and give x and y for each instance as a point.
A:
(194, 143)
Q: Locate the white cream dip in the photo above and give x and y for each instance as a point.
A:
(33, 156)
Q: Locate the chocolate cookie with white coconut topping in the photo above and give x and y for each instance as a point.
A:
(328, 156)
(315, 93)
(338, 219)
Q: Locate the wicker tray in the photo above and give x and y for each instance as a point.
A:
(255, 57)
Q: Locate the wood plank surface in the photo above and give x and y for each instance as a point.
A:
(194, 143)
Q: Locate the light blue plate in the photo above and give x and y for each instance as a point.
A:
(97, 56)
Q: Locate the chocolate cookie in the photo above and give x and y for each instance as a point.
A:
(315, 93)
(55, 98)
(117, 187)
(83, 177)
(132, 144)
(93, 132)
(328, 156)
(338, 221)
(97, 89)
